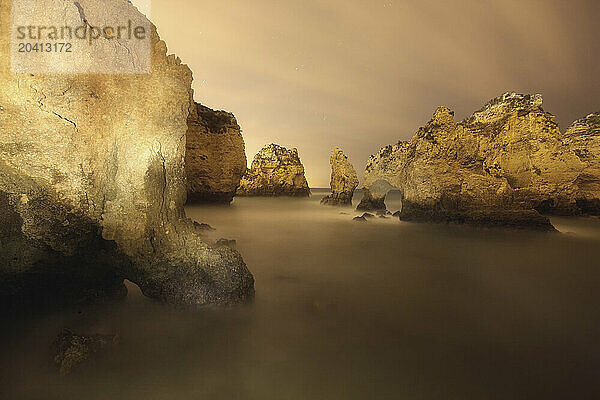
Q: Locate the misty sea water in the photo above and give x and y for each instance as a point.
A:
(346, 310)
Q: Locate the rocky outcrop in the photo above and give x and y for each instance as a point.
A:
(501, 166)
(215, 158)
(92, 182)
(583, 137)
(72, 350)
(343, 180)
(382, 175)
(275, 171)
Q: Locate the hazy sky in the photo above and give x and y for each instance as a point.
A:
(361, 74)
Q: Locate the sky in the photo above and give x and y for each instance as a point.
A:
(362, 74)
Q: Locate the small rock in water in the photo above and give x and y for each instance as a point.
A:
(360, 219)
(226, 243)
(203, 226)
(367, 215)
(382, 213)
(397, 214)
(73, 349)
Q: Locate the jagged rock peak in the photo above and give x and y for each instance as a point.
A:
(276, 153)
(507, 103)
(275, 171)
(589, 125)
(443, 116)
(343, 179)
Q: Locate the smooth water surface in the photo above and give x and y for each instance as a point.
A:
(347, 310)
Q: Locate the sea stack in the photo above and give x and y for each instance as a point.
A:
(215, 158)
(92, 183)
(502, 166)
(275, 171)
(343, 180)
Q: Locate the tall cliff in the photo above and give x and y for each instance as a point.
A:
(275, 171)
(215, 158)
(500, 166)
(92, 181)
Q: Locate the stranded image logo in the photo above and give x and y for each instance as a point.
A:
(58, 36)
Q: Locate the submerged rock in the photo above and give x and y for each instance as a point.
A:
(359, 219)
(215, 158)
(72, 350)
(275, 171)
(343, 180)
(499, 167)
(92, 184)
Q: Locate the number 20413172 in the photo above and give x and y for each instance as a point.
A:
(45, 48)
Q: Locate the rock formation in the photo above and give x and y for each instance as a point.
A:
(275, 171)
(583, 137)
(92, 182)
(72, 350)
(499, 167)
(343, 180)
(381, 175)
(215, 158)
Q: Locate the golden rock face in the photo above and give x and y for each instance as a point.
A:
(508, 156)
(343, 179)
(215, 158)
(100, 159)
(275, 171)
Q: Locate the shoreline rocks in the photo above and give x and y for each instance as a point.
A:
(215, 158)
(500, 167)
(275, 171)
(344, 180)
(72, 350)
(92, 178)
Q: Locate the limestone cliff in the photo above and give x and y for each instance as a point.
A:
(343, 180)
(275, 171)
(500, 166)
(92, 182)
(381, 175)
(583, 137)
(215, 158)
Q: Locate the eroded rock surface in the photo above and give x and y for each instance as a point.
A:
(92, 180)
(499, 167)
(215, 158)
(275, 171)
(343, 180)
(72, 350)
(583, 137)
